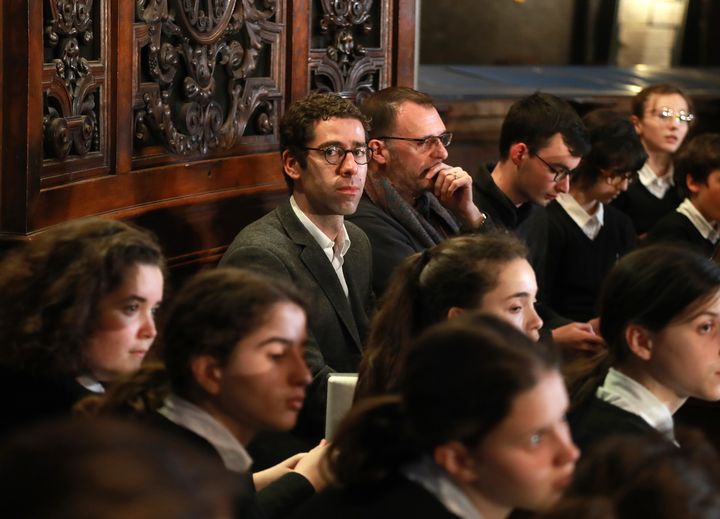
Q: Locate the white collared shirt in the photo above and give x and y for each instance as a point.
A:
(657, 185)
(708, 230)
(622, 391)
(334, 250)
(91, 384)
(190, 416)
(435, 480)
(590, 224)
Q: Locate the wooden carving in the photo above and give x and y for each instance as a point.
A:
(71, 117)
(209, 73)
(346, 65)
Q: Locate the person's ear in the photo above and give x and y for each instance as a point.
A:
(693, 185)
(207, 373)
(640, 341)
(455, 311)
(457, 460)
(291, 165)
(518, 152)
(635, 120)
(380, 152)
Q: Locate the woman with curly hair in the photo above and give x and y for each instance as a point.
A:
(77, 310)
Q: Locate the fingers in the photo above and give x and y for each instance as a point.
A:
(448, 180)
(292, 461)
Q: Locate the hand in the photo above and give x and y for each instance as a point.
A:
(310, 466)
(578, 337)
(453, 187)
(265, 477)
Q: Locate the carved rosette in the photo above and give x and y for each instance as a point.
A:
(201, 58)
(346, 66)
(70, 121)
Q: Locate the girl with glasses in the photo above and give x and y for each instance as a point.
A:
(586, 236)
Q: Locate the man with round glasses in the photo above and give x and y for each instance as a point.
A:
(413, 199)
(324, 152)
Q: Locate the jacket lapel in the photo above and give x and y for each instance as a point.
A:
(317, 263)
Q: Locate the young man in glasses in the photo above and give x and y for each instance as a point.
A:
(413, 199)
(324, 153)
(542, 140)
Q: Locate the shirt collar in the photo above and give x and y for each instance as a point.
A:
(708, 230)
(657, 185)
(320, 237)
(590, 224)
(91, 384)
(435, 480)
(622, 391)
(192, 417)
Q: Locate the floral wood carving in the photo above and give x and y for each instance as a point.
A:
(206, 72)
(347, 66)
(70, 121)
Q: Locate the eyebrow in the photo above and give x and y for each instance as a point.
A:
(355, 144)
(270, 340)
(518, 294)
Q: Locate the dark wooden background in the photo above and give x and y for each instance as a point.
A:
(167, 116)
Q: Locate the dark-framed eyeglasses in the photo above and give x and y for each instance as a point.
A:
(560, 172)
(424, 142)
(665, 113)
(336, 154)
(618, 177)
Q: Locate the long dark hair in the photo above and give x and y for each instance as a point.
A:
(457, 272)
(458, 382)
(50, 289)
(651, 287)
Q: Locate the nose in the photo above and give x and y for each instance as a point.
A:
(299, 373)
(624, 185)
(348, 167)
(534, 322)
(563, 186)
(148, 330)
(567, 452)
(439, 150)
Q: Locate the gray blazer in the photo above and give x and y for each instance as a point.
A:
(278, 244)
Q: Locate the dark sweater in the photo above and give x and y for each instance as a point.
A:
(389, 499)
(644, 208)
(596, 420)
(576, 265)
(677, 228)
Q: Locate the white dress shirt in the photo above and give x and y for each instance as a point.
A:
(334, 250)
(622, 391)
(435, 480)
(590, 224)
(188, 415)
(708, 230)
(91, 384)
(657, 186)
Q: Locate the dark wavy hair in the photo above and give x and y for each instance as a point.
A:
(297, 126)
(459, 380)
(50, 289)
(457, 272)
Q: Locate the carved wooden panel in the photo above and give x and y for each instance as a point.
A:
(350, 46)
(74, 94)
(208, 76)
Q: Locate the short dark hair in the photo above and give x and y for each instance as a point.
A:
(615, 145)
(297, 126)
(212, 312)
(381, 107)
(697, 159)
(639, 102)
(50, 289)
(534, 119)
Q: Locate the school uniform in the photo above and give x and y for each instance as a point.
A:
(687, 226)
(582, 248)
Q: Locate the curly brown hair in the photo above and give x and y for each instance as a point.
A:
(50, 288)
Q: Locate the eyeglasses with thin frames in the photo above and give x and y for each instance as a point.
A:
(560, 172)
(665, 113)
(335, 155)
(424, 142)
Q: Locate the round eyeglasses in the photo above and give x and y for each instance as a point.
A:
(665, 113)
(335, 155)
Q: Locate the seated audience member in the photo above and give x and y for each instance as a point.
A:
(660, 316)
(233, 346)
(413, 199)
(477, 430)
(77, 310)
(306, 240)
(662, 115)
(83, 469)
(697, 176)
(633, 477)
(542, 140)
(483, 273)
(585, 235)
